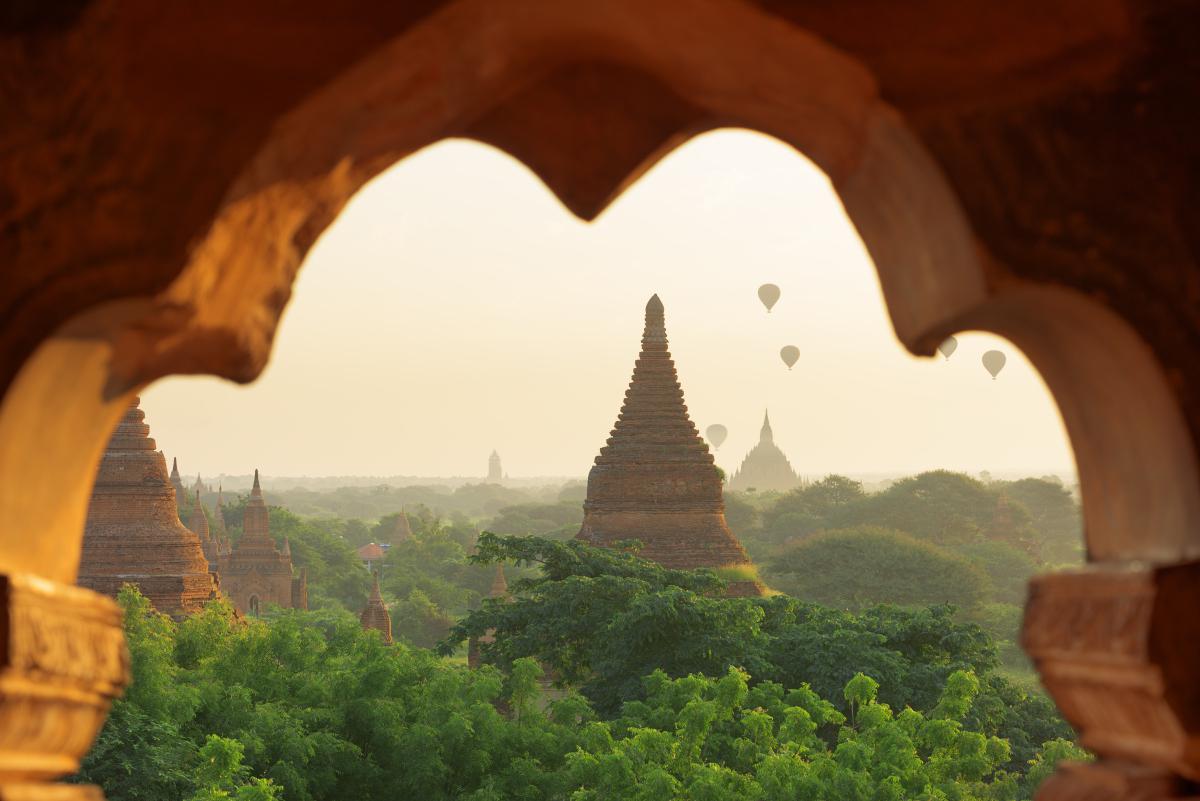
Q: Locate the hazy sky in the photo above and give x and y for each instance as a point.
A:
(455, 307)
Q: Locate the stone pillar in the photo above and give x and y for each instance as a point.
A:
(62, 661)
(1118, 648)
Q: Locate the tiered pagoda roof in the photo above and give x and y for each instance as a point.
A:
(655, 480)
(256, 550)
(198, 523)
(375, 614)
(133, 533)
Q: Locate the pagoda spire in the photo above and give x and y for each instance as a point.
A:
(499, 583)
(375, 614)
(766, 436)
(655, 480)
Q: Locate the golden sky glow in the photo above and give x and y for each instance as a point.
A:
(455, 307)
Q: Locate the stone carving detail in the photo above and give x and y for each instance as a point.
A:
(62, 661)
(1119, 651)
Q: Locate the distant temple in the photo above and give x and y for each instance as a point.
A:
(495, 472)
(133, 534)
(256, 573)
(765, 468)
(219, 516)
(177, 483)
(655, 480)
(401, 530)
(375, 614)
(198, 523)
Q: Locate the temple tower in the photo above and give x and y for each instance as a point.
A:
(655, 480)
(133, 534)
(177, 483)
(495, 471)
(256, 573)
(375, 614)
(401, 530)
(198, 523)
(765, 467)
(218, 522)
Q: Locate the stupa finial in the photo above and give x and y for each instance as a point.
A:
(766, 435)
(654, 337)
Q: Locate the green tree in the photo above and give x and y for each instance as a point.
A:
(1054, 515)
(859, 567)
(812, 508)
(939, 506)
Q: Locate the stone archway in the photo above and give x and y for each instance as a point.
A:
(589, 97)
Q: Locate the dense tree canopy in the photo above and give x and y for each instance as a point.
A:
(597, 618)
(309, 707)
(864, 566)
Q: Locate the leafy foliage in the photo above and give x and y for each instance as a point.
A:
(308, 706)
(599, 618)
(864, 566)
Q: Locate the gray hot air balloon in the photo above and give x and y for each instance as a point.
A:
(716, 434)
(790, 355)
(948, 346)
(993, 362)
(769, 295)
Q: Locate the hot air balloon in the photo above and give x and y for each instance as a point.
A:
(769, 295)
(790, 355)
(993, 362)
(948, 346)
(716, 434)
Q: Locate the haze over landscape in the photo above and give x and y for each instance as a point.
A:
(455, 307)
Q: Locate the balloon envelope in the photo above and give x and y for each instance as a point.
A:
(790, 355)
(716, 434)
(948, 346)
(993, 362)
(769, 295)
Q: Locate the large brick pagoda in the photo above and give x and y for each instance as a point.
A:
(133, 534)
(655, 480)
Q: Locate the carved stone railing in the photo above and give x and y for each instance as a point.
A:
(1119, 651)
(62, 661)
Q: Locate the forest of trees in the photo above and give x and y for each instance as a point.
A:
(884, 668)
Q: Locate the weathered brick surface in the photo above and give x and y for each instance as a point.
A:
(655, 480)
(133, 534)
(256, 573)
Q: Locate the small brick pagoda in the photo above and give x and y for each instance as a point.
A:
(257, 573)
(198, 523)
(655, 480)
(765, 467)
(401, 530)
(375, 614)
(133, 534)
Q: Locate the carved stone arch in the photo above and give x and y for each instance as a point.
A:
(589, 96)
